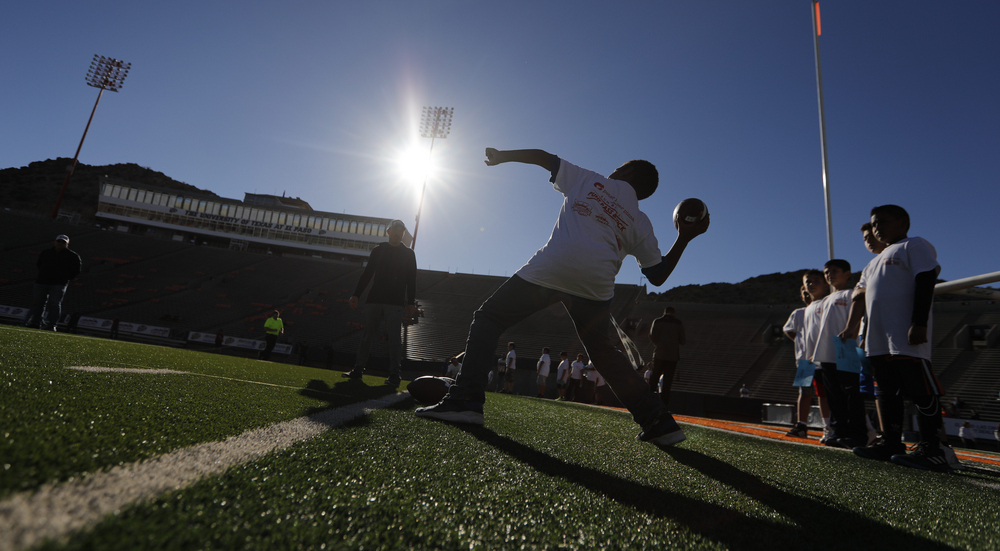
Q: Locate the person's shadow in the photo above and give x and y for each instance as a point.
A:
(813, 523)
(343, 392)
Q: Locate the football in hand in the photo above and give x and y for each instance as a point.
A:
(689, 211)
(429, 390)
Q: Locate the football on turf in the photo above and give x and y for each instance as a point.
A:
(429, 390)
(689, 211)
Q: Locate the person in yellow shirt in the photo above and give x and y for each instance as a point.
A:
(273, 326)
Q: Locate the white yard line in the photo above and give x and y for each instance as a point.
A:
(56, 510)
(152, 371)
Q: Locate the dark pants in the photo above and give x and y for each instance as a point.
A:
(665, 369)
(517, 299)
(269, 342)
(47, 300)
(847, 407)
(573, 390)
(899, 377)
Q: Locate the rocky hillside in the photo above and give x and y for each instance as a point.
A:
(34, 188)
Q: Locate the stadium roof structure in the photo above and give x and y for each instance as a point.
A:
(261, 222)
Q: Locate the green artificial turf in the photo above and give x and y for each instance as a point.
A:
(543, 475)
(56, 423)
(539, 475)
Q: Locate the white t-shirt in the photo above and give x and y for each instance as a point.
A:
(794, 325)
(562, 372)
(511, 360)
(863, 329)
(591, 372)
(543, 365)
(577, 369)
(889, 288)
(453, 369)
(599, 224)
(836, 307)
(810, 327)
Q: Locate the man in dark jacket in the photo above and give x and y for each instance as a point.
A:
(56, 268)
(393, 267)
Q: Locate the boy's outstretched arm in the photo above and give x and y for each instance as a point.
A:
(658, 274)
(537, 157)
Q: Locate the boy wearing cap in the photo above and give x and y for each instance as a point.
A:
(56, 268)
(392, 272)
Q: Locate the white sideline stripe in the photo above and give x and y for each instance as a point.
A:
(98, 369)
(152, 371)
(56, 510)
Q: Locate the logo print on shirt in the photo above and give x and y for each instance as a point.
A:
(611, 209)
(581, 208)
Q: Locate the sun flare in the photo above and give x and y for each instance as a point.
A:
(414, 165)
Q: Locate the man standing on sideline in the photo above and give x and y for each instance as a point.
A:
(273, 327)
(56, 268)
(392, 272)
(542, 373)
(667, 334)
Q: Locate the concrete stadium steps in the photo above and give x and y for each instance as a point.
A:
(979, 384)
(775, 382)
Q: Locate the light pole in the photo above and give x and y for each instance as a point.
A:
(434, 123)
(107, 74)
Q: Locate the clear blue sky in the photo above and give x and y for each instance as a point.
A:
(319, 99)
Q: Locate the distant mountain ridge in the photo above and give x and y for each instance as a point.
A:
(776, 289)
(34, 188)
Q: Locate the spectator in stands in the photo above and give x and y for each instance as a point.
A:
(667, 334)
(273, 327)
(744, 391)
(562, 375)
(897, 294)
(575, 390)
(996, 436)
(542, 371)
(599, 223)
(509, 367)
(965, 433)
(795, 331)
(843, 392)
(392, 272)
(817, 287)
(56, 268)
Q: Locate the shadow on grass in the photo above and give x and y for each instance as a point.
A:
(342, 393)
(814, 523)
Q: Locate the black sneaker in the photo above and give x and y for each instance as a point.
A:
(663, 432)
(845, 442)
(880, 450)
(798, 431)
(927, 457)
(456, 411)
(393, 381)
(352, 374)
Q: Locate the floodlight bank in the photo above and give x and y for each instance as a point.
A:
(56, 510)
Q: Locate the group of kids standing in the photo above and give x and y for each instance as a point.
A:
(883, 324)
(600, 220)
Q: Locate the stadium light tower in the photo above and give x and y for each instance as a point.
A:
(434, 123)
(107, 74)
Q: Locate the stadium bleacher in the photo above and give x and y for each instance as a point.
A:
(187, 287)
